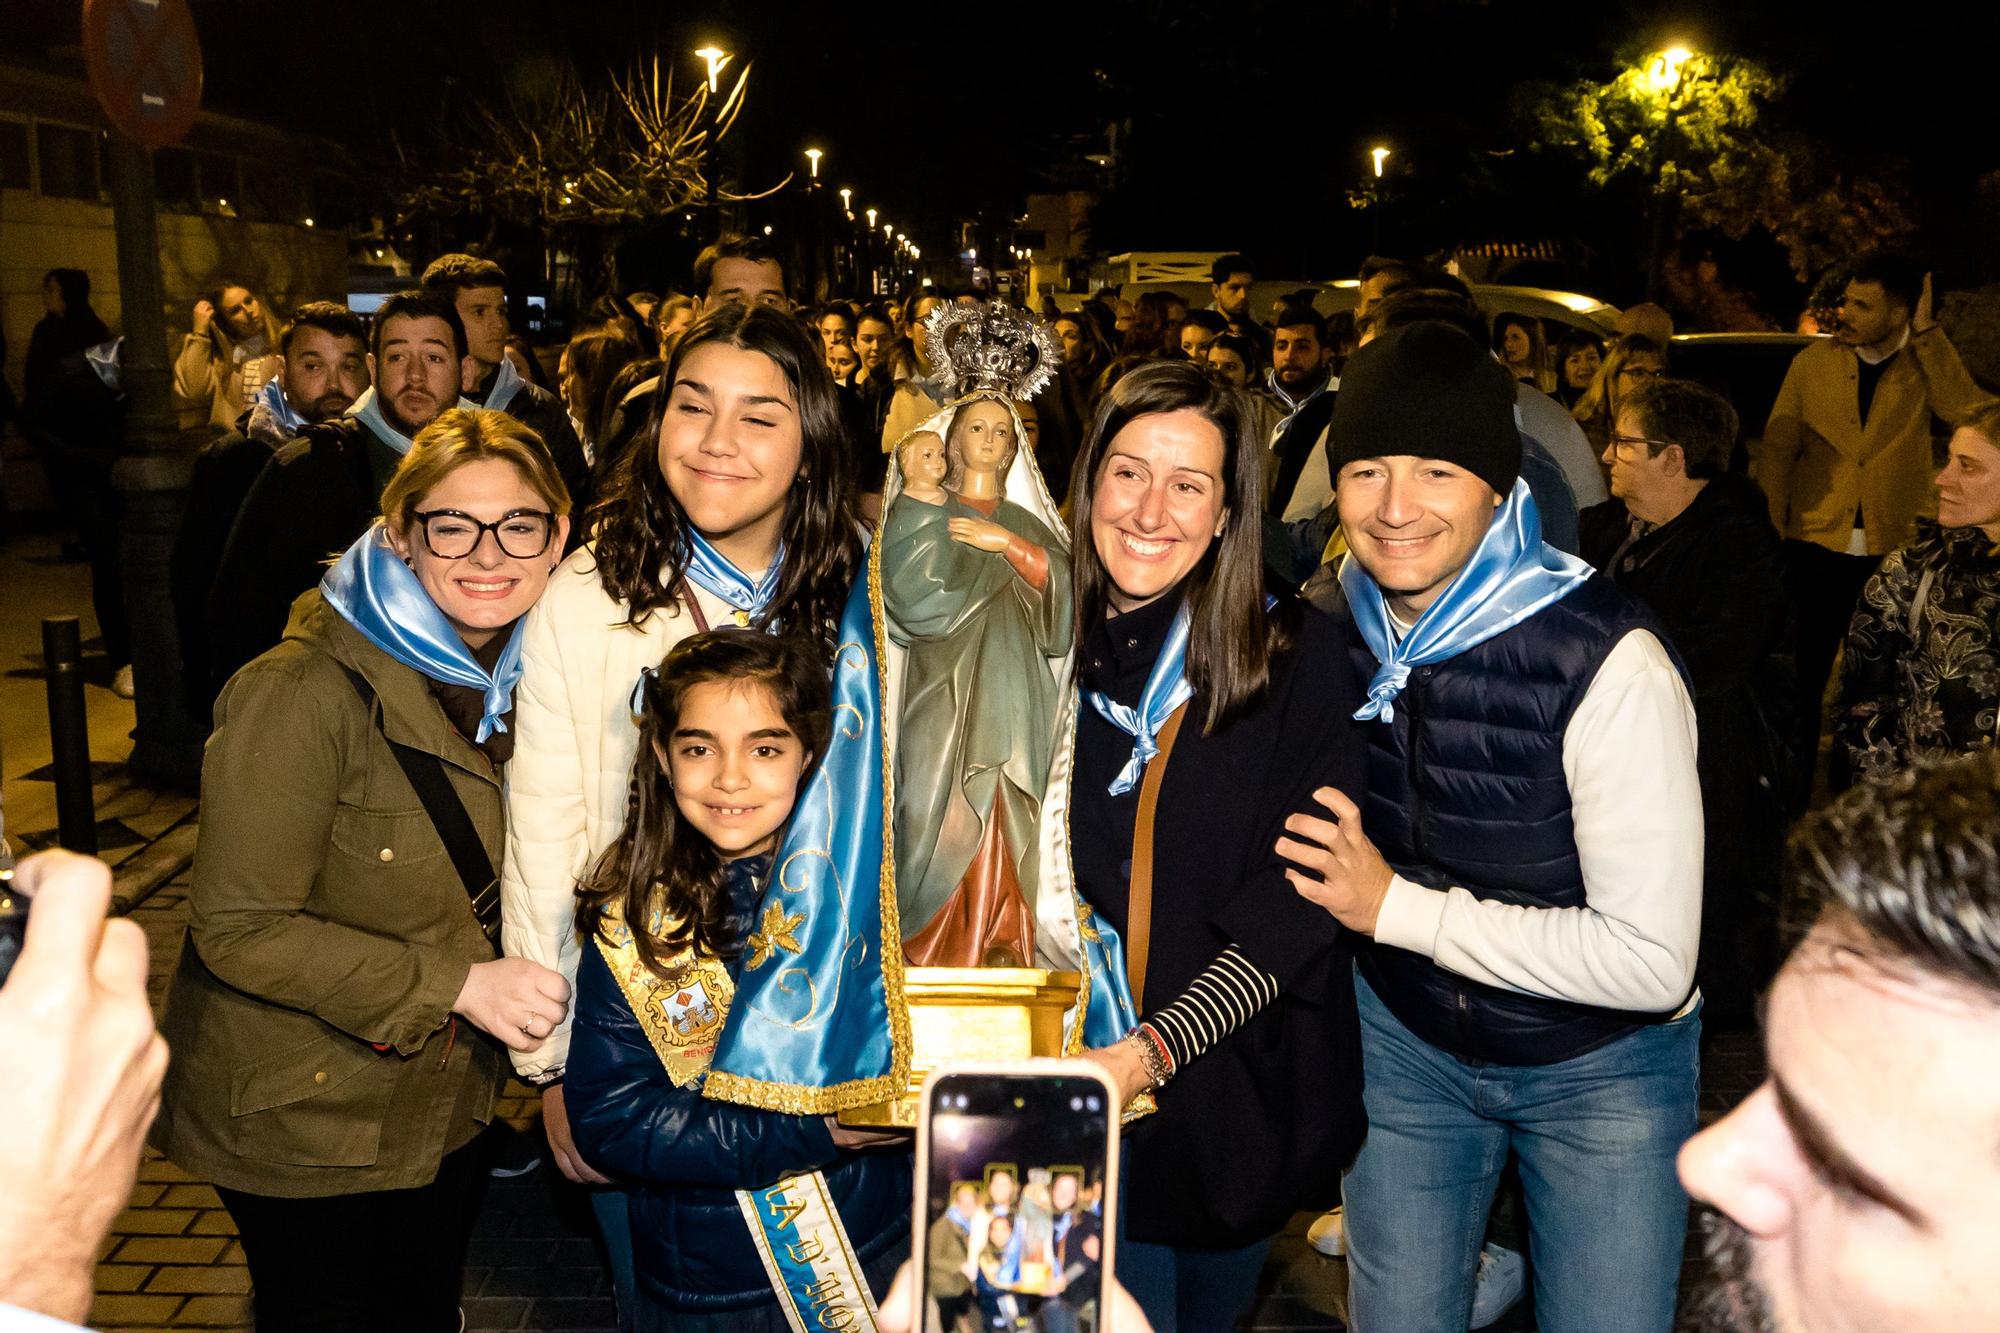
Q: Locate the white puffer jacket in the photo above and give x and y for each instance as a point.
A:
(574, 742)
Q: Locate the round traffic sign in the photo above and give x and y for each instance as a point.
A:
(145, 66)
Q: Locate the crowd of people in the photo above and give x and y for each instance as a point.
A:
(1508, 686)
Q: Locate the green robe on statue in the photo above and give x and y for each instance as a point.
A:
(978, 712)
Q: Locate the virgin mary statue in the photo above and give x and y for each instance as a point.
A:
(975, 583)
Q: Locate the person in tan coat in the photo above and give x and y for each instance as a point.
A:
(1846, 458)
(339, 1009)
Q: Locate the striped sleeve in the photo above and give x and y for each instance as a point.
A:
(1228, 994)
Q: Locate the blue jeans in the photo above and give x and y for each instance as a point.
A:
(1596, 1137)
(1188, 1290)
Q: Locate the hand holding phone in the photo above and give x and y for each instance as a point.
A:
(1017, 1190)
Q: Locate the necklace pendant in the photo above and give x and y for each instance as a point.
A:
(743, 618)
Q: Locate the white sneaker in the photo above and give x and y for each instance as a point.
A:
(121, 684)
(1501, 1283)
(1328, 1234)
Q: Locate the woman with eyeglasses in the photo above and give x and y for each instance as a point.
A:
(1633, 360)
(340, 1010)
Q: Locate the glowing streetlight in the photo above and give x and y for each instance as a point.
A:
(1381, 155)
(889, 230)
(1667, 67)
(847, 201)
(871, 219)
(716, 58)
(813, 155)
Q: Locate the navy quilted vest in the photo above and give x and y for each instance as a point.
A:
(1467, 788)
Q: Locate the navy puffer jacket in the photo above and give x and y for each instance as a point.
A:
(685, 1156)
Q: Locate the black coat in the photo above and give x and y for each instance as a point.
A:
(224, 471)
(1262, 1124)
(543, 413)
(308, 504)
(1714, 578)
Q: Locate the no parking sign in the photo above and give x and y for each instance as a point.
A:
(145, 66)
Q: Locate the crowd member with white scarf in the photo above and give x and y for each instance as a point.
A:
(340, 1007)
(322, 370)
(1527, 860)
(318, 492)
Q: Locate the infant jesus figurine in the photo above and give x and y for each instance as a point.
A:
(922, 459)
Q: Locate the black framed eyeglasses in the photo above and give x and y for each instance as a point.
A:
(522, 534)
(1628, 445)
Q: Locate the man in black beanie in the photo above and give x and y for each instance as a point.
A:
(1527, 865)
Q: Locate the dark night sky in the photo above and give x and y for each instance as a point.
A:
(1250, 116)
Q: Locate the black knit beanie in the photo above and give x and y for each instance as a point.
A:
(1427, 389)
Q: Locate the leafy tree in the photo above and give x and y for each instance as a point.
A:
(1706, 134)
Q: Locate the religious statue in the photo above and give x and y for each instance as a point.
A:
(976, 586)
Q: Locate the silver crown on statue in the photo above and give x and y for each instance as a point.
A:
(991, 349)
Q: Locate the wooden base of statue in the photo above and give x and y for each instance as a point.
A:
(961, 1014)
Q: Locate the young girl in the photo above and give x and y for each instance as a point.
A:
(731, 725)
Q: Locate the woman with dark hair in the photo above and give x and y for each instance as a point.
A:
(526, 364)
(590, 364)
(1519, 342)
(740, 513)
(1578, 357)
(1155, 331)
(1206, 711)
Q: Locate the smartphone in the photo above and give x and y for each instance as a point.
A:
(1017, 1195)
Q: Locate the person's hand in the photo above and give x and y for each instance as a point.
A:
(204, 315)
(555, 1123)
(1340, 868)
(978, 532)
(1128, 1072)
(897, 1312)
(1924, 317)
(848, 1137)
(85, 1064)
(515, 1000)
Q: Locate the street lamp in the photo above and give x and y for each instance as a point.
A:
(871, 219)
(1381, 155)
(889, 230)
(716, 58)
(813, 155)
(1668, 74)
(847, 202)
(1667, 67)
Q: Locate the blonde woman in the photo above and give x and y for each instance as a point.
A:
(339, 1011)
(1633, 360)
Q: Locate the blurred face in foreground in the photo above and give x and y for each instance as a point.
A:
(1855, 1189)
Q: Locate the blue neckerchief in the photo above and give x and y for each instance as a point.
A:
(367, 409)
(272, 396)
(376, 592)
(1167, 688)
(1512, 575)
(711, 571)
(507, 382)
(959, 1220)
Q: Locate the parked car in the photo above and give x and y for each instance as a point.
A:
(1567, 310)
(1746, 368)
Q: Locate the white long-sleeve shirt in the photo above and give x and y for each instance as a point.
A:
(1628, 754)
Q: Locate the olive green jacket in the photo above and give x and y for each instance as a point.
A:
(314, 1048)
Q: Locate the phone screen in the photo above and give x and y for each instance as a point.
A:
(1015, 1208)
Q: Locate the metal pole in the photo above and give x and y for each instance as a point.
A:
(69, 733)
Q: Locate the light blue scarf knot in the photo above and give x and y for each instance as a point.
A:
(1167, 688)
(374, 591)
(1512, 575)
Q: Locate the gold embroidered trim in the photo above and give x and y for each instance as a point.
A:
(802, 1099)
(682, 1011)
